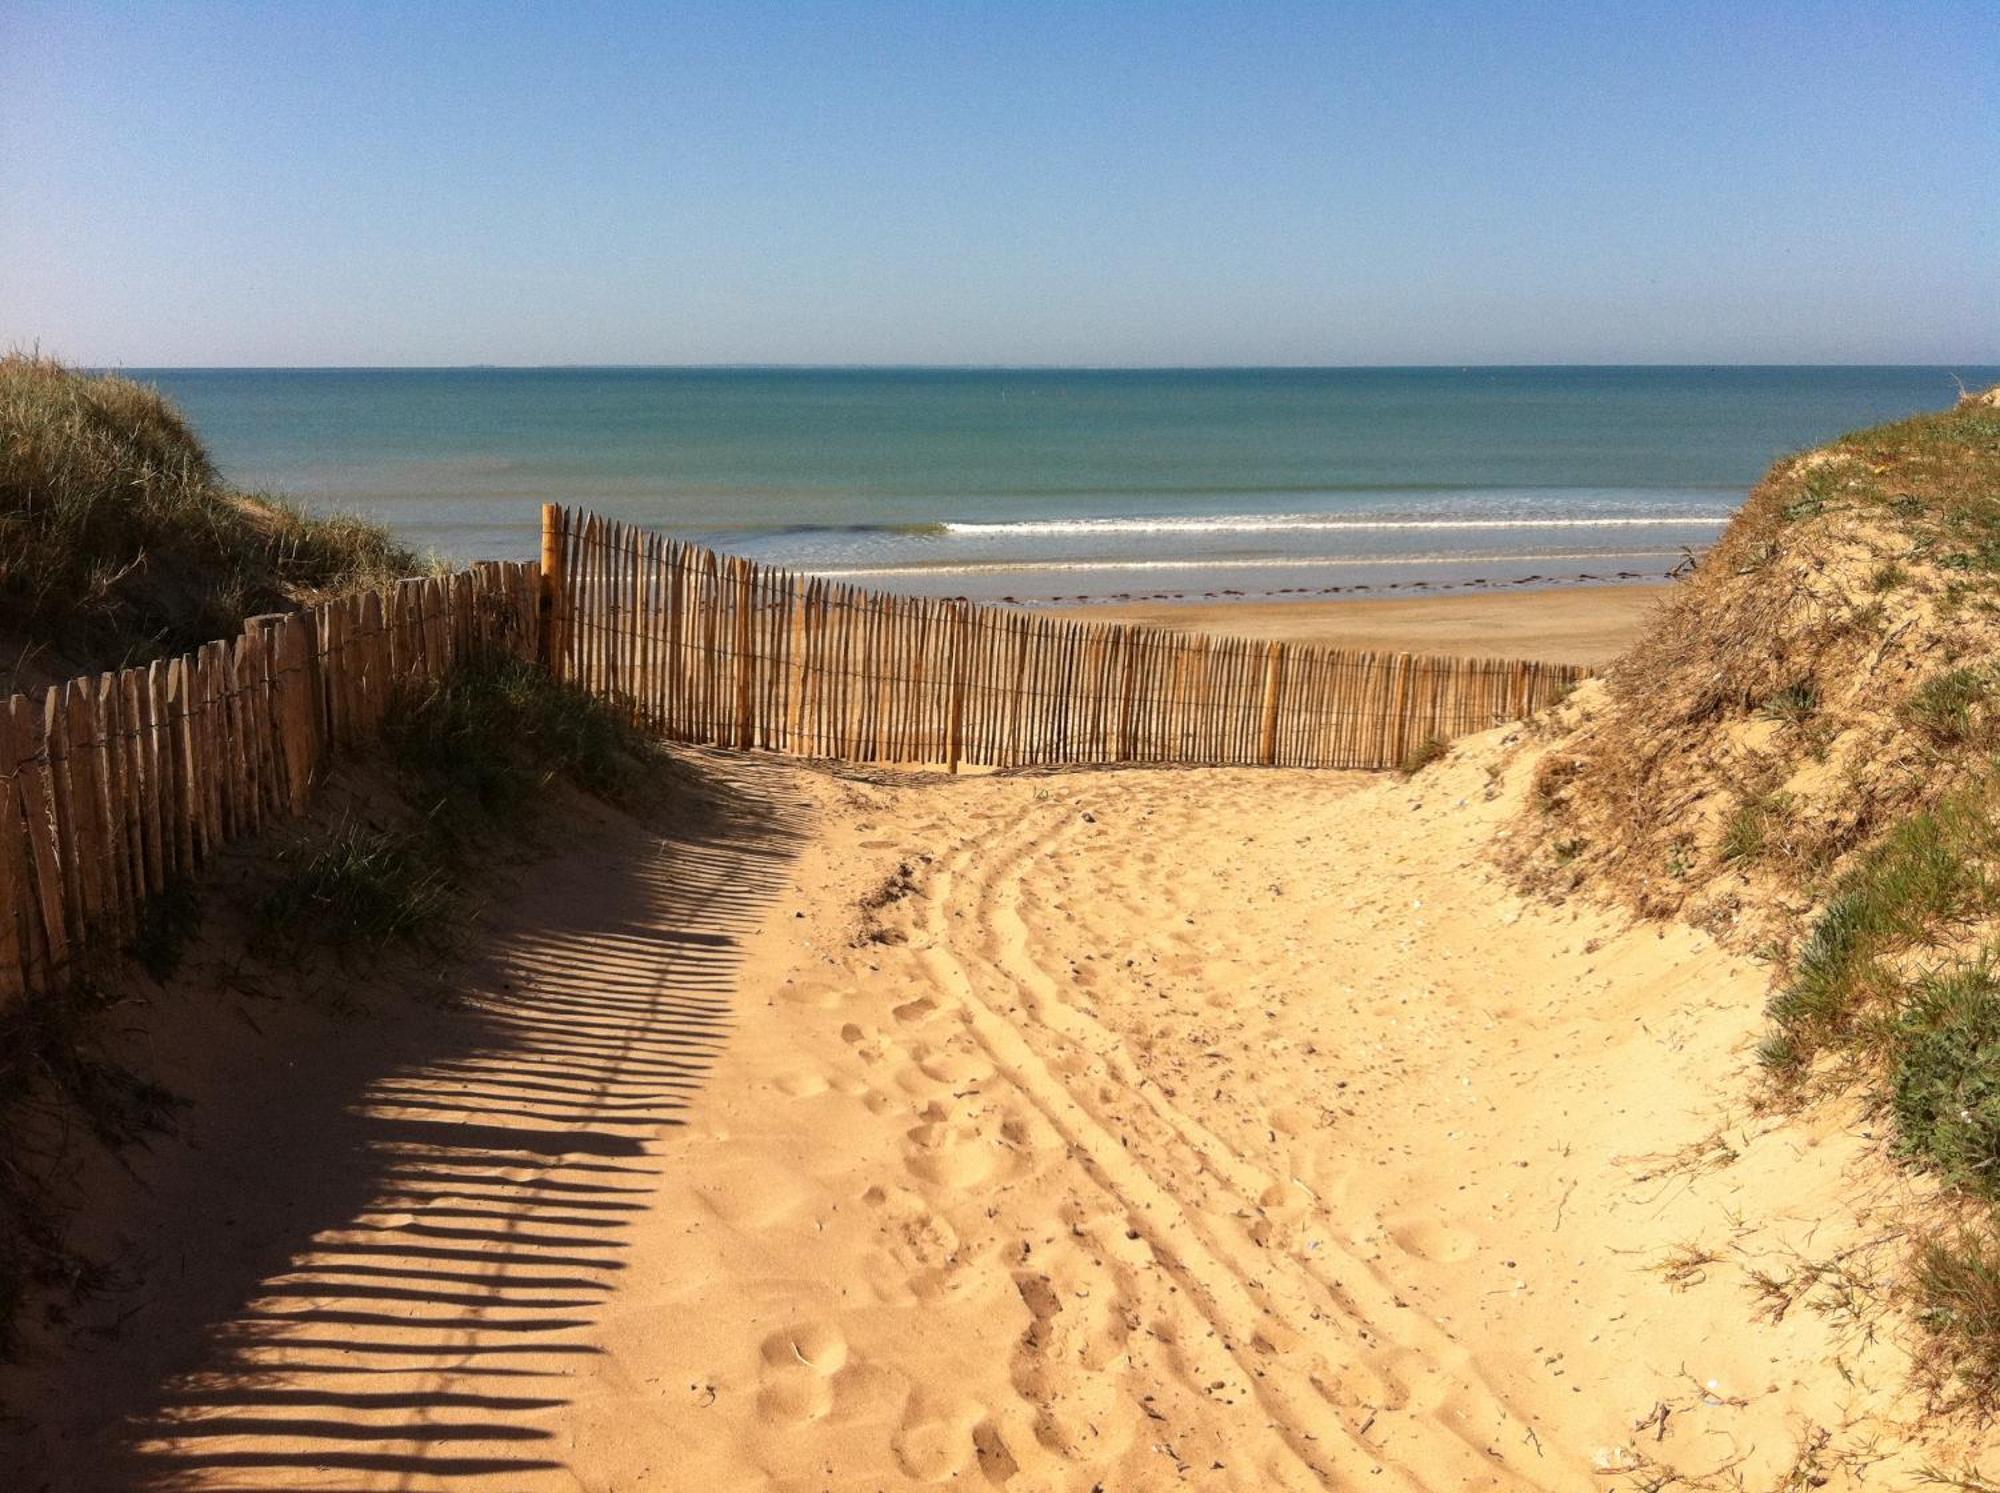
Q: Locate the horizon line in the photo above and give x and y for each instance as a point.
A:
(776, 367)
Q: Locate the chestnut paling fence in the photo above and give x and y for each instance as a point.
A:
(119, 784)
(114, 786)
(706, 647)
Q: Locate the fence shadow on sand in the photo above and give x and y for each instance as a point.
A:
(470, 1202)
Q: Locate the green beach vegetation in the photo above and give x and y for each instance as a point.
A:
(470, 756)
(119, 542)
(1802, 758)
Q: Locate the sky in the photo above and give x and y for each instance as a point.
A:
(1010, 183)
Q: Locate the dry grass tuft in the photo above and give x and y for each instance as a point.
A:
(1957, 1280)
(1829, 651)
(1423, 754)
(1801, 758)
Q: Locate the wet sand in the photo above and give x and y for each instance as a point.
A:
(1583, 625)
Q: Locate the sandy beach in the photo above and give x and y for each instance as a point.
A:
(1582, 625)
(1129, 1129)
(1021, 749)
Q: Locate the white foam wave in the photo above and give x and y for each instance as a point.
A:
(1288, 562)
(1264, 523)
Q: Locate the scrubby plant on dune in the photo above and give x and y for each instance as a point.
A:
(471, 753)
(1816, 715)
(483, 738)
(119, 541)
(1788, 667)
(1423, 754)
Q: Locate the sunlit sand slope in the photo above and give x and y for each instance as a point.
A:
(1238, 1129)
(1134, 1129)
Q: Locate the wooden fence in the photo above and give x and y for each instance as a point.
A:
(116, 785)
(709, 648)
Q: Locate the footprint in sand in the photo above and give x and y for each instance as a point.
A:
(803, 1084)
(753, 1198)
(996, 1460)
(817, 1345)
(919, 1237)
(912, 1012)
(935, 1440)
(799, 1365)
(1428, 1239)
(1069, 1366)
(960, 1069)
(1026, 1131)
(1039, 1294)
(868, 1047)
(950, 1153)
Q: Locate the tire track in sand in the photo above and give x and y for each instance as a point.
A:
(1221, 1288)
(1300, 1327)
(1299, 1288)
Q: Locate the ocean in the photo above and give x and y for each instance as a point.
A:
(1057, 484)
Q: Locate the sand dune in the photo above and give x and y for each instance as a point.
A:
(1128, 1129)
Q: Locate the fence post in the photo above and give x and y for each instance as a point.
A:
(1128, 645)
(1399, 713)
(744, 736)
(795, 676)
(550, 595)
(961, 643)
(1274, 668)
(16, 902)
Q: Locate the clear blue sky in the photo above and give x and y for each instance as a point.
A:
(950, 182)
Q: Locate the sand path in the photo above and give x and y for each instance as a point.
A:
(1127, 1129)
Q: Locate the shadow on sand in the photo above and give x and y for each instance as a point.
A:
(433, 1235)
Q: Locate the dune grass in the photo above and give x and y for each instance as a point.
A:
(1945, 1074)
(1955, 708)
(1820, 706)
(471, 752)
(1423, 754)
(1929, 876)
(1758, 821)
(1882, 981)
(353, 884)
(481, 740)
(119, 541)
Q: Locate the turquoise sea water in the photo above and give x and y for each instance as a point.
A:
(1045, 483)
